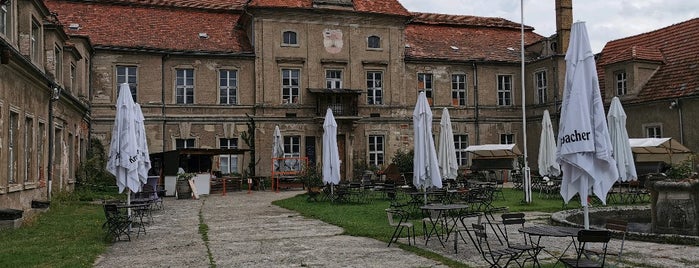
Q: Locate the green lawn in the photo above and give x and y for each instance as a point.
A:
(68, 235)
(368, 219)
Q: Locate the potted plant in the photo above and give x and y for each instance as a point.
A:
(312, 180)
(184, 191)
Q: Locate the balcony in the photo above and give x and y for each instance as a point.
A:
(343, 102)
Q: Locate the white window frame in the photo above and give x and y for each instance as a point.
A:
(73, 76)
(184, 86)
(12, 148)
(459, 84)
(35, 41)
(28, 148)
(292, 148)
(541, 85)
(373, 42)
(425, 82)
(41, 141)
(228, 163)
(228, 86)
(507, 138)
(291, 84)
(620, 83)
(460, 144)
(504, 90)
(287, 38)
(333, 79)
(127, 74)
(58, 62)
(374, 81)
(376, 146)
(185, 143)
(653, 130)
(5, 17)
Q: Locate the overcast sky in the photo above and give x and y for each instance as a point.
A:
(606, 20)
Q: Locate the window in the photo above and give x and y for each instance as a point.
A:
(620, 80)
(374, 42)
(40, 149)
(458, 89)
(184, 87)
(228, 162)
(424, 83)
(507, 138)
(228, 86)
(184, 143)
(12, 148)
(504, 90)
(57, 62)
(541, 86)
(73, 73)
(376, 150)
(292, 148)
(654, 131)
(127, 74)
(289, 38)
(5, 18)
(333, 79)
(35, 41)
(290, 85)
(460, 144)
(28, 148)
(374, 90)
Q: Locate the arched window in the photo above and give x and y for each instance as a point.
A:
(289, 38)
(374, 42)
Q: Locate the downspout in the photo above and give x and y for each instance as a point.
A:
(679, 115)
(162, 97)
(475, 102)
(55, 95)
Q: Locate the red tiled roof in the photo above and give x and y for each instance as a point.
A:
(474, 42)
(676, 46)
(200, 4)
(464, 20)
(636, 53)
(139, 27)
(389, 7)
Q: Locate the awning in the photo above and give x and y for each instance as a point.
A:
(494, 150)
(657, 146)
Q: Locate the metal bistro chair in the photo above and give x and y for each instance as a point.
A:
(116, 224)
(402, 223)
(586, 237)
(494, 256)
(524, 244)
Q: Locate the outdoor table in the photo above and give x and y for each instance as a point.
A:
(551, 231)
(139, 209)
(452, 214)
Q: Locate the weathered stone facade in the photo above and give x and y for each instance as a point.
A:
(43, 105)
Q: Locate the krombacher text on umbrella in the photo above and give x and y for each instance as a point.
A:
(575, 137)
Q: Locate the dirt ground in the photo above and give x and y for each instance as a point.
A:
(245, 230)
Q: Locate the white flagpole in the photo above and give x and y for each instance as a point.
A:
(526, 172)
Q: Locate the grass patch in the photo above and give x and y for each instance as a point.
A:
(68, 235)
(369, 219)
(204, 232)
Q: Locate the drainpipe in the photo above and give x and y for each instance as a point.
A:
(162, 97)
(475, 102)
(679, 117)
(55, 96)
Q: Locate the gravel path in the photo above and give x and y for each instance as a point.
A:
(245, 230)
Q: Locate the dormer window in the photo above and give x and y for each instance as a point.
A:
(289, 38)
(620, 83)
(374, 42)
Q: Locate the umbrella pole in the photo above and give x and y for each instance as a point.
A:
(586, 212)
(527, 184)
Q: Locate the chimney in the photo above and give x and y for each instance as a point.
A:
(564, 21)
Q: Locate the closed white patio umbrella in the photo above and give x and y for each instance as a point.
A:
(331, 155)
(584, 148)
(425, 166)
(448, 165)
(616, 118)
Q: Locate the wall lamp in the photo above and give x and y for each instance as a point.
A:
(673, 104)
(55, 93)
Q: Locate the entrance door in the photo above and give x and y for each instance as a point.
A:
(341, 151)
